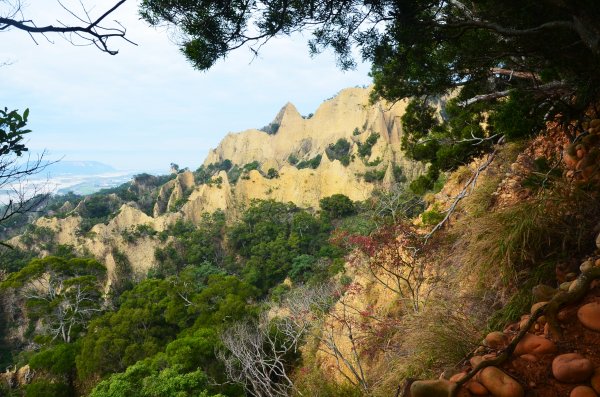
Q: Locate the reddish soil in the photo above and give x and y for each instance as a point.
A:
(536, 377)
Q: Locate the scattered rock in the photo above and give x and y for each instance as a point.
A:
(529, 357)
(575, 284)
(595, 381)
(477, 388)
(534, 344)
(543, 293)
(456, 377)
(496, 340)
(432, 388)
(536, 306)
(566, 314)
(523, 322)
(547, 331)
(589, 316)
(565, 286)
(583, 391)
(572, 368)
(475, 360)
(570, 276)
(500, 384)
(587, 265)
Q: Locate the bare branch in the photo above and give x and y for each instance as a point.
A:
(89, 30)
(556, 86)
(517, 74)
(466, 190)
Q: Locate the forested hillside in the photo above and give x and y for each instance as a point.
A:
(434, 235)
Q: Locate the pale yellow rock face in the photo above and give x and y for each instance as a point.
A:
(304, 187)
(172, 191)
(334, 119)
(209, 198)
(305, 138)
(65, 229)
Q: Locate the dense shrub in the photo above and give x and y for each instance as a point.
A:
(337, 206)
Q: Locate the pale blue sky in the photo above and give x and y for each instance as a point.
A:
(146, 106)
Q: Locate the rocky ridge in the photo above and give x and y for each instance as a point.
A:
(349, 116)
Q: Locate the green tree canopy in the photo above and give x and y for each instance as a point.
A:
(517, 63)
(337, 206)
(548, 47)
(63, 294)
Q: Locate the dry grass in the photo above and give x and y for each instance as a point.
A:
(430, 342)
(555, 226)
(492, 257)
(507, 251)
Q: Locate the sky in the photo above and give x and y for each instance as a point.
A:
(147, 107)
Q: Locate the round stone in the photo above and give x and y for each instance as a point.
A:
(529, 357)
(543, 292)
(476, 360)
(565, 286)
(583, 391)
(496, 340)
(457, 377)
(536, 306)
(589, 316)
(432, 388)
(534, 344)
(477, 388)
(587, 265)
(595, 381)
(575, 285)
(500, 384)
(572, 368)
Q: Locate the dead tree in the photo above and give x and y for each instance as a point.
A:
(258, 355)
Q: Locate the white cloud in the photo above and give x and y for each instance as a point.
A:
(147, 98)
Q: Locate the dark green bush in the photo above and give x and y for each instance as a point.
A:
(337, 206)
(364, 149)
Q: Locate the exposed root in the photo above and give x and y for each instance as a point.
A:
(581, 287)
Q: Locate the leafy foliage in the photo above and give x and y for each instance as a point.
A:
(337, 206)
(192, 245)
(147, 379)
(516, 64)
(312, 163)
(374, 175)
(339, 151)
(364, 149)
(205, 173)
(272, 173)
(147, 322)
(271, 234)
(12, 129)
(63, 294)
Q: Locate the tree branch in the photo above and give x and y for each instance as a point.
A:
(469, 186)
(93, 32)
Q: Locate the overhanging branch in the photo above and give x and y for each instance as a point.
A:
(90, 31)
